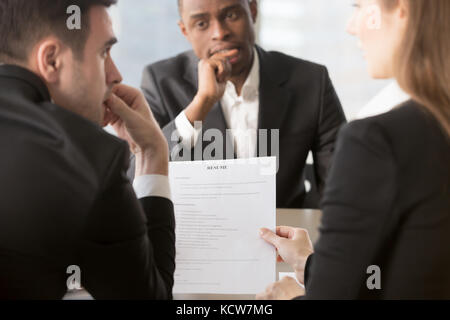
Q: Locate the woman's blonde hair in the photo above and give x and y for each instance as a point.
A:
(423, 63)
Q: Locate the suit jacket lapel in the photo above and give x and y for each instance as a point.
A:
(215, 119)
(274, 98)
(191, 70)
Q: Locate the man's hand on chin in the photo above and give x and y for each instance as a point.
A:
(130, 116)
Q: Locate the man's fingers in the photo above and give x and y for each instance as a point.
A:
(126, 93)
(227, 70)
(107, 117)
(225, 55)
(222, 68)
(120, 108)
(269, 237)
(114, 120)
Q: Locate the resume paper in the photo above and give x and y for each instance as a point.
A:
(219, 208)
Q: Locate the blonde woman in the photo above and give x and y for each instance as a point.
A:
(385, 231)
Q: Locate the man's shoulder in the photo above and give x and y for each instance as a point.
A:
(77, 129)
(77, 138)
(174, 65)
(291, 63)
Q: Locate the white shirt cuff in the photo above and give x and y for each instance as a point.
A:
(152, 186)
(187, 132)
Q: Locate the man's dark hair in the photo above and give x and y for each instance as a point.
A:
(180, 5)
(24, 22)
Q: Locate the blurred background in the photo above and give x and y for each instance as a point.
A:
(309, 29)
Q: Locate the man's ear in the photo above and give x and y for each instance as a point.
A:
(49, 59)
(254, 9)
(182, 28)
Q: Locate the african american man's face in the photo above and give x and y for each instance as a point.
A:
(213, 26)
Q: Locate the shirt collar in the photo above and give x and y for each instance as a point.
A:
(36, 89)
(250, 89)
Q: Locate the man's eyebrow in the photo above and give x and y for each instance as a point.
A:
(198, 15)
(231, 7)
(110, 43)
(203, 15)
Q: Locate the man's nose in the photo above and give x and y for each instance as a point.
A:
(113, 75)
(220, 31)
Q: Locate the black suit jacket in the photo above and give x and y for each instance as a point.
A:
(66, 200)
(296, 97)
(387, 203)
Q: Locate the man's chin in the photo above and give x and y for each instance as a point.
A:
(239, 69)
(102, 118)
(242, 65)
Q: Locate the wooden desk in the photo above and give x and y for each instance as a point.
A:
(306, 219)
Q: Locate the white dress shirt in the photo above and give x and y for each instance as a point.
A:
(388, 98)
(152, 186)
(240, 112)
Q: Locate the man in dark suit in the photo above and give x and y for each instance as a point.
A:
(68, 214)
(213, 102)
